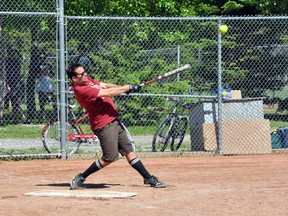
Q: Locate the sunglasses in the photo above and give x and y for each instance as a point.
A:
(82, 74)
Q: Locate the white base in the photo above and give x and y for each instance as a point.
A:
(82, 194)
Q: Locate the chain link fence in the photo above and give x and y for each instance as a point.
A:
(248, 65)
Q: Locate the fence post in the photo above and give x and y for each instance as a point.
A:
(219, 122)
(178, 61)
(62, 79)
(2, 70)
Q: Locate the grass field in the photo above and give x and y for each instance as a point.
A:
(34, 131)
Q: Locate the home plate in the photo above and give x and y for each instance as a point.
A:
(83, 194)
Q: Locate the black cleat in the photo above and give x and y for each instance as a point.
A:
(76, 182)
(154, 182)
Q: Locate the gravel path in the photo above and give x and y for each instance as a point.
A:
(143, 141)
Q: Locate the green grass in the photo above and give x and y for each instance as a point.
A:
(21, 131)
(276, 124)
(134, 130)
(34, 131)
(269, 111)
(141, 130)
(276, 119)
(12, 151)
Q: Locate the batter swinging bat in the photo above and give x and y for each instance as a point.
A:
(170, 73)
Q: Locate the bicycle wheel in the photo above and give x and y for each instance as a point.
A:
(162, 135)
(51, 138)
(179, 134)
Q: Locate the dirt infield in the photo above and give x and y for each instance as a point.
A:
(221, 185)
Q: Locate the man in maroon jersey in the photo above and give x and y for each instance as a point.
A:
(95, 97)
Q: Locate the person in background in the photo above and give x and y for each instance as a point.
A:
(7, 101)
(45, 84)
(14, 84)
(84, 59)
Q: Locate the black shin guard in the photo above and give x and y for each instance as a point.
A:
(137, 165)
(96, 166)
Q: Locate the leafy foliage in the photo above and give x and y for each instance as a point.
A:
(135, 51)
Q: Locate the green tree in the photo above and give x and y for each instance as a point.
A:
(128, 8)
(173, 8)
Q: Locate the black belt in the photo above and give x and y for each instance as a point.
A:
(114, 120)
(107, 125)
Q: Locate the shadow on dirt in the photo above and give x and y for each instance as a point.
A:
(101, 185)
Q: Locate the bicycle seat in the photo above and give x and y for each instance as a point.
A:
(186, 105)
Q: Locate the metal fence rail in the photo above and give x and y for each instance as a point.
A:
(250, 60)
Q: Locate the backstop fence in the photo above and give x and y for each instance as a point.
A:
(247, 67)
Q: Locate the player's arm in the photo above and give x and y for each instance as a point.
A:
(113, 91)
(108, 85)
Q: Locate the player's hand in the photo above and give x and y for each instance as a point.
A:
(134, 88)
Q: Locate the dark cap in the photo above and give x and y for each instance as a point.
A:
(81, 46)
(12, 49)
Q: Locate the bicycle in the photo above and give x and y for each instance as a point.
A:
(75, 135)
(171, 130)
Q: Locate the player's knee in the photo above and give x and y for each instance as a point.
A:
(104, 163)
(110, 159)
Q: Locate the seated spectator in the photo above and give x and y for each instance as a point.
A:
(45, 84)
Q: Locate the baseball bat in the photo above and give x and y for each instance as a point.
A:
(168, 74)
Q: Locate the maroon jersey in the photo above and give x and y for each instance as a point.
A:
(101, 111)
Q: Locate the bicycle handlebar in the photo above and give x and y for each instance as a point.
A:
(177, 102)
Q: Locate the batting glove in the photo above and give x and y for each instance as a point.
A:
(134, 88)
